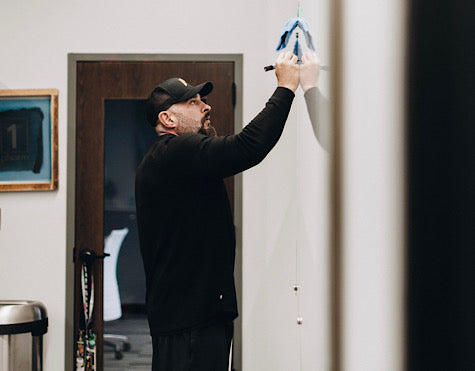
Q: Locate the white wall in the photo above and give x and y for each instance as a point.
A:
(35, 38)
(288, 243)
(373, 162)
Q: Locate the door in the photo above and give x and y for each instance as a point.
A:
(101, 81)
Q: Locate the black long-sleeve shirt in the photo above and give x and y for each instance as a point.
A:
(185, 224)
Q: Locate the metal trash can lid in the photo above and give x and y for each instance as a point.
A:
(20, 316)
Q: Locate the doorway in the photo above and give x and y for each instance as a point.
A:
(112, 88)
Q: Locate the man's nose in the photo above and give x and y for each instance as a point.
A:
(206, 107)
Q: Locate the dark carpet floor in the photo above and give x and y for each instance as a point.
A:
(139, 357)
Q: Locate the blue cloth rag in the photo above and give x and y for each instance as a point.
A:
(287, 31)
(298, 50)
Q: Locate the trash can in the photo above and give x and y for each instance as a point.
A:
(22, 325)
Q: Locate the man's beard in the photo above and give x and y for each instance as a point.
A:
(188, 125)
(209, 131)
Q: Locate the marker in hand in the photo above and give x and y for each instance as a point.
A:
(272, 67)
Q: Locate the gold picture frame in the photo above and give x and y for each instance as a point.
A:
(29, 140)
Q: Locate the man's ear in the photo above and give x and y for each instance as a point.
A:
(167, 119)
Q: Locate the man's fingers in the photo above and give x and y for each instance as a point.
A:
(287, 57)
(284, 56)
(309, 58)
(287, 71)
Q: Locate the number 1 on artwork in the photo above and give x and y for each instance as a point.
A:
(12, 129)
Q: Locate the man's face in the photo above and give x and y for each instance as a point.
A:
(193, 116)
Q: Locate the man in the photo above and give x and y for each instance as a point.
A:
(185, 224)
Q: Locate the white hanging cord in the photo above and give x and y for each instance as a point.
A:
(297, 285)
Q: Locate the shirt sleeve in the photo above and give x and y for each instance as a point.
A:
(225, 156)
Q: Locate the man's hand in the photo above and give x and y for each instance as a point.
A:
(287, 71)
(309, 71)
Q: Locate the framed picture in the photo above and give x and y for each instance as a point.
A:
(28, 140)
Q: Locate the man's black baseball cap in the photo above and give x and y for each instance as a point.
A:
(171, 91)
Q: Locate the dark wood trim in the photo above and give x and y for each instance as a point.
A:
(336, 189)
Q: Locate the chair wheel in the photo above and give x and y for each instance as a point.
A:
(118, 355)
(126, 347)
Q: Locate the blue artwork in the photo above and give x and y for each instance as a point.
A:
(25, 140)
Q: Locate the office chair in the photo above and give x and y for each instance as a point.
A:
(112, 305)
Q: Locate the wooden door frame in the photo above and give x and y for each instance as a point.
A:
(73, 59)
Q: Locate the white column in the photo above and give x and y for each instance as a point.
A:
(373, 185)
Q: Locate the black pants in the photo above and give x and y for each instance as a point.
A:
(203, 349)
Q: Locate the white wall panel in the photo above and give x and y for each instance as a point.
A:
(373, 195)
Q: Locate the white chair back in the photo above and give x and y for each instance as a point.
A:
(112, 245)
